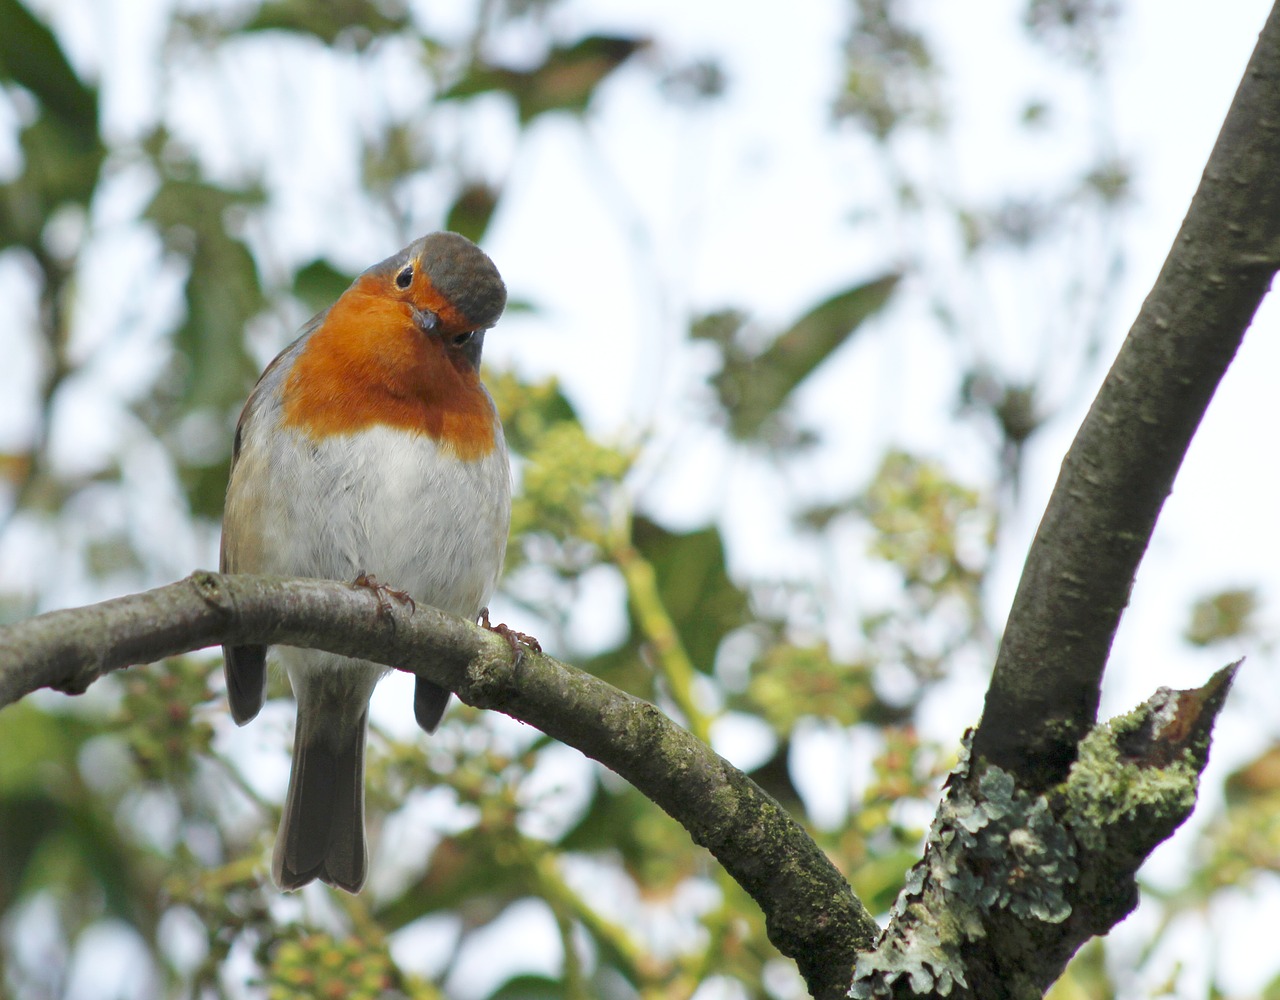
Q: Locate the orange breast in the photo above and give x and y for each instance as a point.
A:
(369, 364)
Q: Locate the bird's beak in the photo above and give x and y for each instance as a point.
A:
(425, 319)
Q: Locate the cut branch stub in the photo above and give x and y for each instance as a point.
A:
(1013, 882)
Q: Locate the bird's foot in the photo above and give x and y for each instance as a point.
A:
(516, 640)
(384, 593)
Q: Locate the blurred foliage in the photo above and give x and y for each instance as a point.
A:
(1244, 844)
(359, 21)
(1087, 978)
(565, 80)
(127, 809)
(62, 151)
(754, 386)
(315, 965)
(1219, 617)
(1076, 29)
(890, 71)
(472, 210)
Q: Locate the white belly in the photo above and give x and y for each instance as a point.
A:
(381, 502)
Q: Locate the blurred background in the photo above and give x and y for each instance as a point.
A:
(806, 308)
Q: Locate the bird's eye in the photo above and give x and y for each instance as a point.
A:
(405, 278)
(463, 338)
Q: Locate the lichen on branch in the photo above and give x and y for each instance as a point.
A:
(1013, 882)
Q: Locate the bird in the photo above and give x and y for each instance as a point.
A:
(369, 451)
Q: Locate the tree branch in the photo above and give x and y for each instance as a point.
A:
(1012, 883)
(1043, 696)
(811, 913)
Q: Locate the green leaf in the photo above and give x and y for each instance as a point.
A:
(319, 284)
(472, 210)
(695, 587)
(31, 56)
(26, 822)
(206, 486)
(753, 390)
(528, 409)
(529, 987)
(650, 844)
(53, 830)
(462, 872)
(61, 164)
(198, 206)
(1222, 616)
(1257, 779)
(211, 369)
(38, 748)
(223, 292)
(61, 150)
(826, 326)
(566, 80)
(222, 296)
(360, 20)
(721, 328)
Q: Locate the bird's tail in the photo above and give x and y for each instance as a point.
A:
(322, 828)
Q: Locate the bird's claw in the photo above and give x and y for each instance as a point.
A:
(383, 593)
(518, 641)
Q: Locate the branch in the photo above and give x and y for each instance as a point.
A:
(1043, 696)
(811, 913)
(1012, 883)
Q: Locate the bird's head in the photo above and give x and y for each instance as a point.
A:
(449, 287)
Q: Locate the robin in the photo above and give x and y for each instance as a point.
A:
(369, 450)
